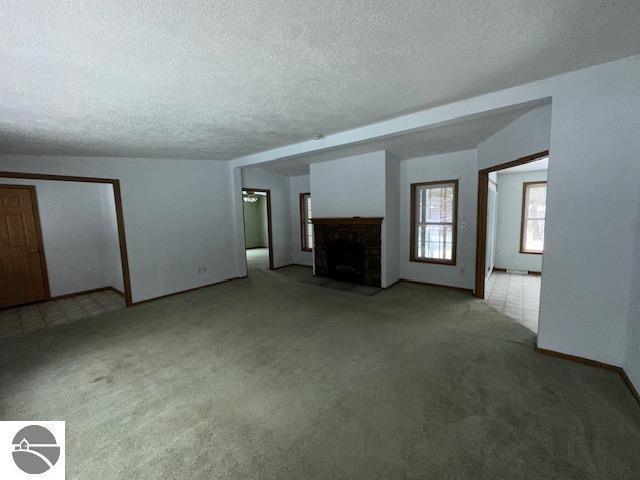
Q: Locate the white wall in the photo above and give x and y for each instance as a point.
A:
(525, 136)
(258, 178)
(75, 237)
(632, 355)
(592, 201)
(298, 185)
(349, 187)
(507, 250)
(448, 166)
(179, 215)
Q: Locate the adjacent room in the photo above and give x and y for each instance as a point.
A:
(320, 240)
(256, 229)
(516, 206)
(60, 255)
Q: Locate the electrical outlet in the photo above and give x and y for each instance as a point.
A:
(462, 270)
(202, 269)
(463, 225)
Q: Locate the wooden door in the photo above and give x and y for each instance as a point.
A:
(22, 269)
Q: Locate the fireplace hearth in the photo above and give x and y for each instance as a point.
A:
(348, 249)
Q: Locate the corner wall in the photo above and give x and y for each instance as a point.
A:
(592, 199)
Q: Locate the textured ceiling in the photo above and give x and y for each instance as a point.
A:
(222, 79)
(453, 137)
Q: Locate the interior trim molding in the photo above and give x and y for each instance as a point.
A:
(630, 385)
(85, 292)
(582, 360)
(596, 364)
(122, 238)
(186, 291)
(481, 222)
(406, 280)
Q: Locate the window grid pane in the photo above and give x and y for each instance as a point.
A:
(306, 224)
(535, 199)
(534, 237)
(435, 207)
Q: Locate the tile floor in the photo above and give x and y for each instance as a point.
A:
(517, 296)
(258, 259)
(14, 321)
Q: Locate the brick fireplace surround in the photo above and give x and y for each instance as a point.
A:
(365, 232)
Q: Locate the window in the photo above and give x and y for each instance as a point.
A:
(306, 227)
(434, 211)
(534, 206)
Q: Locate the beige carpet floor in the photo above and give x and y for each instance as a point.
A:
(270, 378)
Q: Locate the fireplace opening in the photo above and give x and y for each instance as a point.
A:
(345, 261)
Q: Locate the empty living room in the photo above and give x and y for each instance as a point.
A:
(312, 240)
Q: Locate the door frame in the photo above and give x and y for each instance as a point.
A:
(481, 235)
(38, 227)
(269, 229)
(115, 183)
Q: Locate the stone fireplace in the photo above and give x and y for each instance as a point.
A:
(348, 249)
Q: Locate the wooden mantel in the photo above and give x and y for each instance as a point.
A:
(348, 221)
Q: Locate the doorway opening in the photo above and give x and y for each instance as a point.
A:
(258, 238)
(510, 241)
(38, 237)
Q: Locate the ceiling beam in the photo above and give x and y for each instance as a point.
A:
(533, 93)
